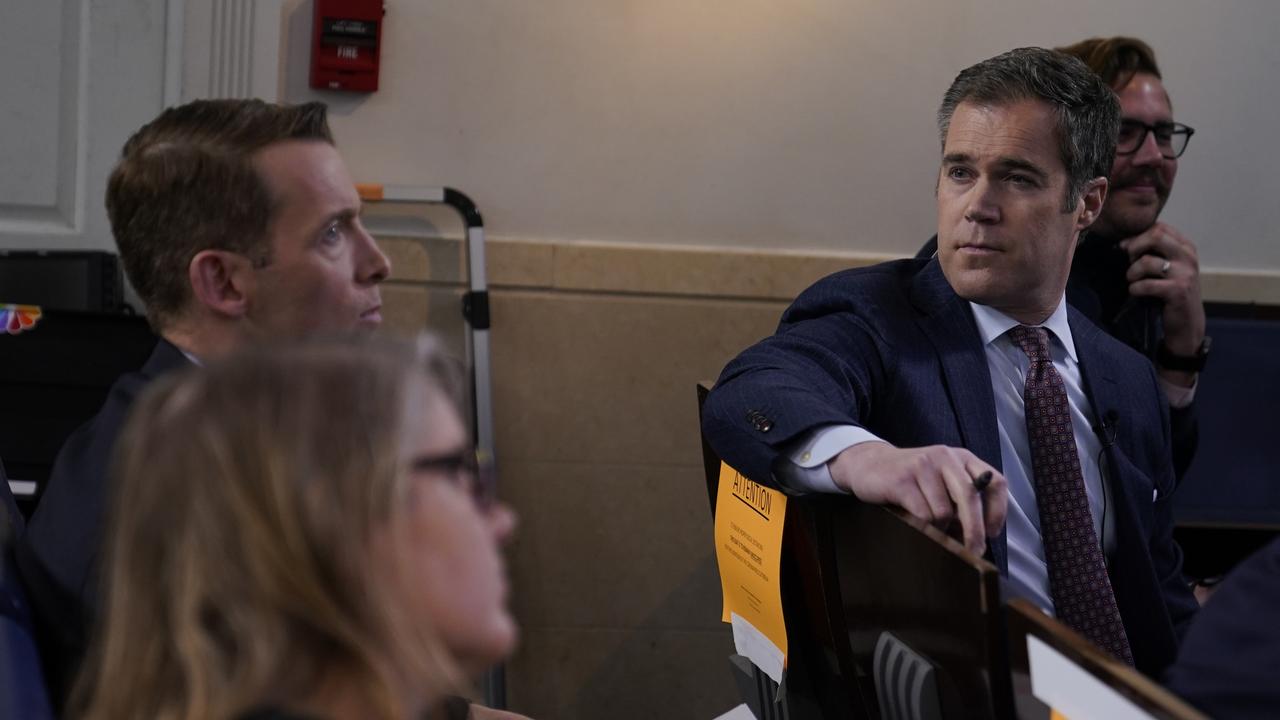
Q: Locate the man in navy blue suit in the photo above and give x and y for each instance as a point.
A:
(1136, 277)
(903, 383)
(237, 223)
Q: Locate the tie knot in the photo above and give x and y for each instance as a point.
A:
(1034, 341)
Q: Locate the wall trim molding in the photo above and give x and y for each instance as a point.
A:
(230, 48)
(688, 271)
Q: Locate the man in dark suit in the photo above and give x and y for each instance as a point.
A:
(907, 383)
(237, 222)
(1227, 666)
(11, 523)
(1136, 277)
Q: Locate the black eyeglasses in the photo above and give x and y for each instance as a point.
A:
(469, 469)
(1171, 138)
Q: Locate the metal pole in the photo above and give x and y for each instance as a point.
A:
(475, 310)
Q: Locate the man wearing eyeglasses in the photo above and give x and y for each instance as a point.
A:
(1135, 276)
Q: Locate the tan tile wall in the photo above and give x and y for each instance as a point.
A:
(596, 350)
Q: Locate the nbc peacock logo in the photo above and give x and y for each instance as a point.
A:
(17, 318)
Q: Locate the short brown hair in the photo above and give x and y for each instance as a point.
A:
(1115, 59)
(185, 183)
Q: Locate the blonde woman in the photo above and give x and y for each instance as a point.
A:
(300, 533)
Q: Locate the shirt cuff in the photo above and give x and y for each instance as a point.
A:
(808, 471)
(1179, 397)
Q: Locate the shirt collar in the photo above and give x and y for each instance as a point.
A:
(992, 324)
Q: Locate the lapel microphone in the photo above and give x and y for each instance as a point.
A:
(1106, 431)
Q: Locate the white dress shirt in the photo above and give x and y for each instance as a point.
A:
(1028, 574)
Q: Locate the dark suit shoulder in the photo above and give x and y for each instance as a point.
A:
(831, 362)
(1124, 381)
(91, 443)
(58, 554)
(1227, 663)
(1126, 359)
(865, 290)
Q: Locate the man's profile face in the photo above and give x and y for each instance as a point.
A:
(1140, 183)
(325, 267)
(1003, 238)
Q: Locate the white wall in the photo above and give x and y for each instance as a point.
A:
(78, 77)
(805, 124)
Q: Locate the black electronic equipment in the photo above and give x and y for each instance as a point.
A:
(80, 280)
(53, 377)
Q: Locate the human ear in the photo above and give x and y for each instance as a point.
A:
(1091, 201)
(221, 281)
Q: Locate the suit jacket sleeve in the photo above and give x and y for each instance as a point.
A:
(60, 552)
(821, 367)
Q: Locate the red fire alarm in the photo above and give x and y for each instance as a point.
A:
(345, 42)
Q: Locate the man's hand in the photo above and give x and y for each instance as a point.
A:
(933, 483)
(1177, 286)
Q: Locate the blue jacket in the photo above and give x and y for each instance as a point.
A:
(893, 349)
(60, 554)
(1228, 664)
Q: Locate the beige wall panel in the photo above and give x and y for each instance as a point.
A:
(410, 309)
(443, 260)
(529, 592)
(598, 448)
(1240, 286)
(533, 675)
(424, 259)
(673, 271)
(520, 263)
(606, 379)
(622, 546)
(623, 675)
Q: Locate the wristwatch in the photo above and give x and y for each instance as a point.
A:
(1184, 363)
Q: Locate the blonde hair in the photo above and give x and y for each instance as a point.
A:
(246, 498)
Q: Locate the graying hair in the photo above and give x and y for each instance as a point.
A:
(1087, 111)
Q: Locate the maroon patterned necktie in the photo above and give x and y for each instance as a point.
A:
(1078, 582)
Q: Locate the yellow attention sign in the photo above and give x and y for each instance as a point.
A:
(749, 519)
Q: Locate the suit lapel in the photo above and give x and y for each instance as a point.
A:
(1097, 373)
(1129, 563)
(948, 323)
(946, 320)
(1095, 369)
